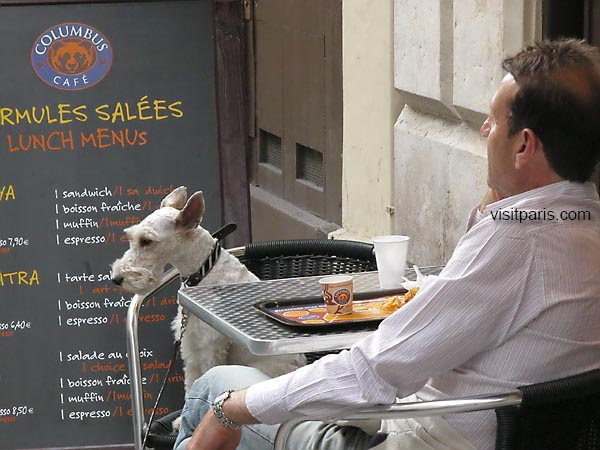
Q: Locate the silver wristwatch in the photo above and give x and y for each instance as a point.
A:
(217, 408)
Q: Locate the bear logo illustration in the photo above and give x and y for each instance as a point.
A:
(71, 56)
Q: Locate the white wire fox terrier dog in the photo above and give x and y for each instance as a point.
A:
(172, 235)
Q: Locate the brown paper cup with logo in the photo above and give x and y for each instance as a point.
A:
(337, 293)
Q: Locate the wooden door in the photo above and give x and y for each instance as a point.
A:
(297, 146)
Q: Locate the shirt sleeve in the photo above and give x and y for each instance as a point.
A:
(469, 308)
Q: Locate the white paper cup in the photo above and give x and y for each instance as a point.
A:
(337, 293)
(390, 252)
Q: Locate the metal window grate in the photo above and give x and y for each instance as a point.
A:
(270, 149)
(309, 165)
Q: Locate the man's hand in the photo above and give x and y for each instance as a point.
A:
(211, 435)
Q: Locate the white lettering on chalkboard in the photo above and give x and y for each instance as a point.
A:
(84, 222)
(15, 325)
(146, 353)
(79, 209)
(82, 415)
(16, 411)
(85, 398)
(66, 82)
(121, 207)
(81, 356)
(76, 30)
(78, 304)
(79, 277)
(16, 241)
(93, 304)
(123, 380)
(82, 321)
(8, 329)
(96, 192)
(121, 303)
(89, 240)
(84, 382)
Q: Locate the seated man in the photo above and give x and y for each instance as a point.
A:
(518, 302)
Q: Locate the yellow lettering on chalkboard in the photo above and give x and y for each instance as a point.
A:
(143, 106)
(121, 112)
(158, 108)
(5, 118)
(144, 109)
(7, 193)
(64, 114)
(173, 107)
(20, 277)
(101, 112)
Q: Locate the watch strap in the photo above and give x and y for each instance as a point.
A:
(217, 408)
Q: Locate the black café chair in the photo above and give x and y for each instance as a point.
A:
(284, 259)
(562, 414)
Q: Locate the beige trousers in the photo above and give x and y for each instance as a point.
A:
(426, 433)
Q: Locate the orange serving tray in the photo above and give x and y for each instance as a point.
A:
(311, 312)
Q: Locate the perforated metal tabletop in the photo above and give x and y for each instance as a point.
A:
(229, 309)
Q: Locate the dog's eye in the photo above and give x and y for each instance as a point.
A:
(145, 242)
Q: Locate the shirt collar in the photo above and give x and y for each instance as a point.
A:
(580, 191)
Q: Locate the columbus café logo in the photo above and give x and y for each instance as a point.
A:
(71, 56)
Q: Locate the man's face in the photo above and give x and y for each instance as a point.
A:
(501, 149)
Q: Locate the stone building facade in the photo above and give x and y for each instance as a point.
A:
(445, 68)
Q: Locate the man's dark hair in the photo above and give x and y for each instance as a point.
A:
(559, 100)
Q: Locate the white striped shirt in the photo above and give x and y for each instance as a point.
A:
(518, 303)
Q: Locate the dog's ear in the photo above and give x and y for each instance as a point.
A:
(191, 215)
(176, 199)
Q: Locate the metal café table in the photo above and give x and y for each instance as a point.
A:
(229, 309)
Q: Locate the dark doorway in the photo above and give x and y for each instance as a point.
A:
(296, 156)
(575, 18)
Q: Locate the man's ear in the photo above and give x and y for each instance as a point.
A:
(528, 147)
(176, 199)
(191, 214)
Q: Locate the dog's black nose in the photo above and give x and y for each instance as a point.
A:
(118, 281)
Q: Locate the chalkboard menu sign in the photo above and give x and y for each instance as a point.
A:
(104, 109)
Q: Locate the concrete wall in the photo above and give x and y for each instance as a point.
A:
(419, 169)
(371, 106)
(447, 67)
